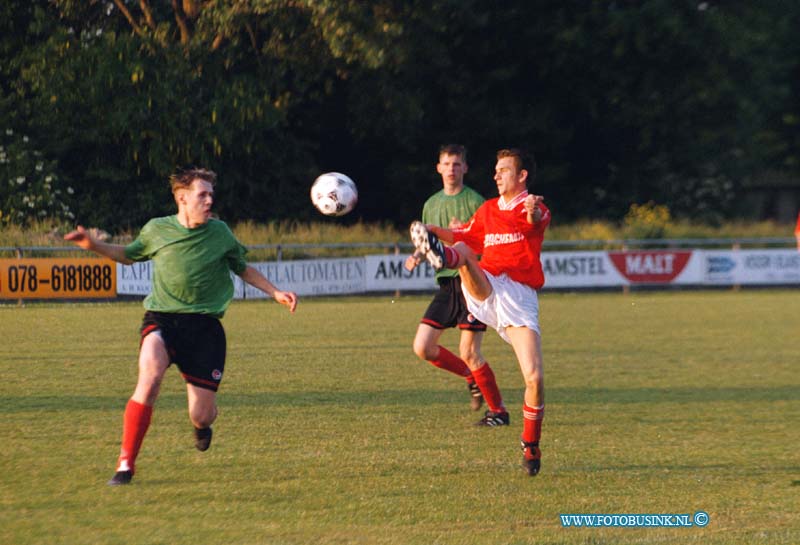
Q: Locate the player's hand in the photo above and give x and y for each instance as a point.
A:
(81, 237)
(455, 223)
(531, 205)
(288, 298)
(412, 261)
(532, 202)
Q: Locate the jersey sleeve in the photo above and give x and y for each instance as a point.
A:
(472, 233)
(236, 258)
(543, 223)
(236, 251)
(138, 249)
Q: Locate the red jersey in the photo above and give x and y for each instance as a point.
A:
(500, 231)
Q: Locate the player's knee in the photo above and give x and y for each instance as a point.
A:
(462, 248)
(425, 350)
(464, 251)
(471, 357)
(147, 389)
(534, 379)
(203, 417)
(419, 349)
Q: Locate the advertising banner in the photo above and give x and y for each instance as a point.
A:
(562, 270)
(57, 278)
(312, 277)
(652, 267)
(751, 267)
(386, 273)
(598, 269)
(134, 279)
(579, 270)
(661, 267)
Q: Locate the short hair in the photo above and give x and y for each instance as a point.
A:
(522, 160)
(183, 178)
(453, 149)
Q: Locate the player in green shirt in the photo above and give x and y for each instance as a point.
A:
(193, 256)
(451, 207)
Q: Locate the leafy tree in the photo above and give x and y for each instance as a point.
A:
(31, 189)
(131, 92)
(685, 103)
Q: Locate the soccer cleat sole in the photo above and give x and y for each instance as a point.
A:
(202, 439)
(421, 240)
(121, 478)
(532, 467)
(494, 420)
(531, 458)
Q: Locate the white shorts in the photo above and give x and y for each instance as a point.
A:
(511, 304)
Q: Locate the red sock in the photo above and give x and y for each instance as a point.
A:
(450, 362)
(532, 423)
(451, 257)
(135, 423)
(484, 378)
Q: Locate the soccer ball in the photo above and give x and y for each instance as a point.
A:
(334, 194)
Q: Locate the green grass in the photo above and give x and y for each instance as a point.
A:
(331, 431)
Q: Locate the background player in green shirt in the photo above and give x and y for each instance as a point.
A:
(192, 255)
(450, 207)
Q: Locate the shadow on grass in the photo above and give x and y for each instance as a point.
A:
(415, 397)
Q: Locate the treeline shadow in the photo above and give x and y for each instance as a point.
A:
(413, 396)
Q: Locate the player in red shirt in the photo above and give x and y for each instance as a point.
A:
(500, 288)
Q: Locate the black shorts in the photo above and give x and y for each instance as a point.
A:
(448, 308)
(195, 343)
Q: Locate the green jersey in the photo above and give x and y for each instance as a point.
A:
(440, 208)
(191, 267)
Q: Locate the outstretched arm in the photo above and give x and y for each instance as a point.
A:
(83, 239)
(444, 234)
(259, 281)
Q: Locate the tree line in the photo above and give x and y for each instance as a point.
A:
(687, 104)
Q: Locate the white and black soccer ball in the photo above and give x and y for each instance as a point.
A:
(334, 194)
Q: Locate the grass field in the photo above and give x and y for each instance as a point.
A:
(331, 431)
